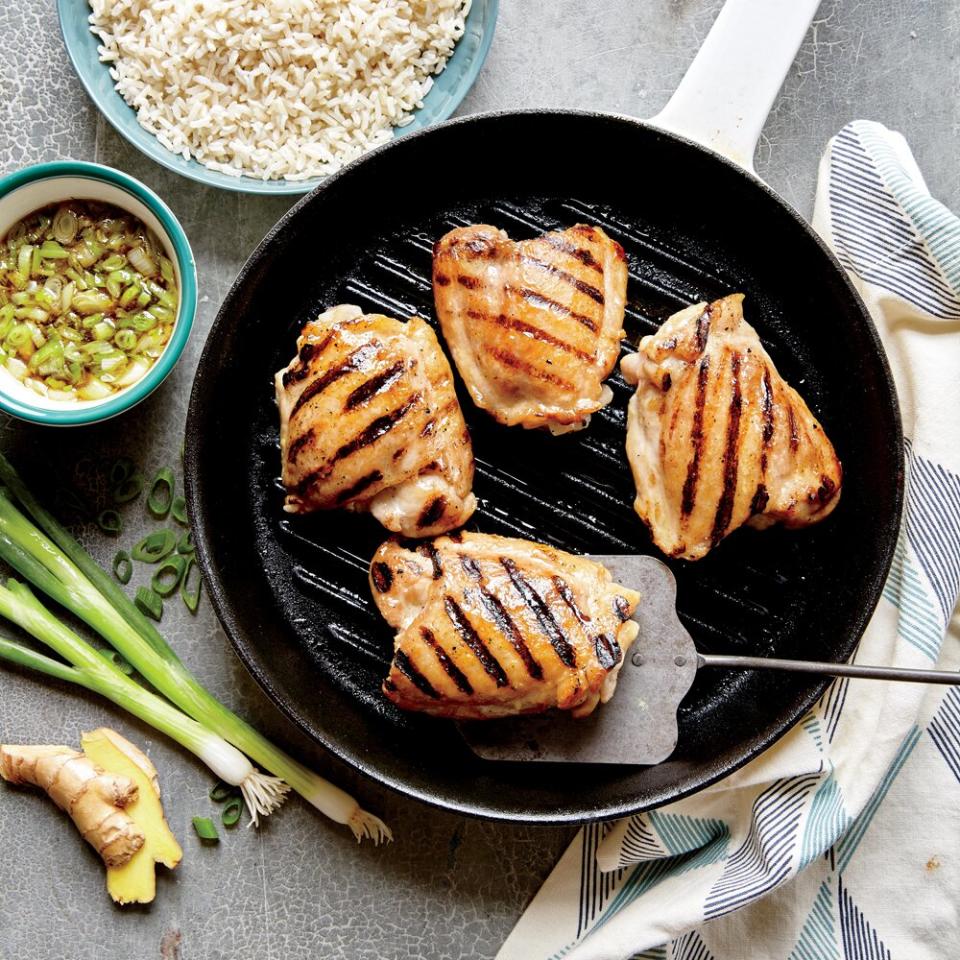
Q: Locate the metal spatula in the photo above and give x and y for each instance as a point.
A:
(639, 724)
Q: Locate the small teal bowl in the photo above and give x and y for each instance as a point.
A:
(448, 89)
(34, 187)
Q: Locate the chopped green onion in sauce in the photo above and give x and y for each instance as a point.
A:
(88, 300)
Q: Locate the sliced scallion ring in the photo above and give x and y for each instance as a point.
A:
(109, 522)
(120, 470)
(179, 510)
(122, 566)
(169, 574)
(160, 498)
(205, 829)
(155, 546)
(191, 598)
(149, 603)
(222, 791)
(185, 543)
(232, 812)
(128, 489)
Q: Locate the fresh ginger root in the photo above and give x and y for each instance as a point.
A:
(135, 881)
(112, 792)
(95, 800)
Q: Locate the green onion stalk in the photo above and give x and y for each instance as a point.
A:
(89, 669)
(59, 566)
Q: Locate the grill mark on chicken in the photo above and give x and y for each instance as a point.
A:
(374, 385)
(502, 619)
(357, 488)
(760, 499)
(731, 458)
(452, 670)
(356, 360)
(441, 279)
(585, 256)
(382, 576)
(471, 283)
(432, 512)
(434, 556)
(703, 330)
(545, 303)
(696, 439)
(589, 290)
(544, 615)
(414, 675)
(472, 639)
(370, 434)
(566, 594)
(377, 428)
(621, 608)
(608, 651)
(794, 436)
(766, 405)
(304, 440)
(514, 323)
(515, 363)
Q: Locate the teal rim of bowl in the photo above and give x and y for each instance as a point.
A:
(449, 88)
(130, 396)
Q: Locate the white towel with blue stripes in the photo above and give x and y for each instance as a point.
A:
(841, 842)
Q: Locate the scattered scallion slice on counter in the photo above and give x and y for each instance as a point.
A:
(168, 576)
(185, 543)
(191, 596)
(179, 511)
(160, 497)
(149, 602)
(232, 811)
(120, 470)
(122, 566)
(205, 829)
(128, 489)
(109, 522)
(222, 791)
(155, 546)
(57, 564)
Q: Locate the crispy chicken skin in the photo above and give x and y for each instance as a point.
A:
(534, 327)
(716, 438)
(491, 626)
(369, 421)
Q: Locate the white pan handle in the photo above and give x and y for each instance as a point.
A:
(725, 96)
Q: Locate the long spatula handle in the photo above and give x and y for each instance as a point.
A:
(827, 669)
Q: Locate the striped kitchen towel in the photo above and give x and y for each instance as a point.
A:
(859, 805)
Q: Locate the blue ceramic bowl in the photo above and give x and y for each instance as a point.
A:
(449, 88)
(28, 190)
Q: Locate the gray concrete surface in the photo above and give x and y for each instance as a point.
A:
(300, 887)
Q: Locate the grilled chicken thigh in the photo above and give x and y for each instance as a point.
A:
(491, 626)
(369, 421)
(534, 327)
(716, 438)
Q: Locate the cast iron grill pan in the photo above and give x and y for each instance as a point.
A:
(292, 591)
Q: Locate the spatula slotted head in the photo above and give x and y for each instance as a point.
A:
(639, 724)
